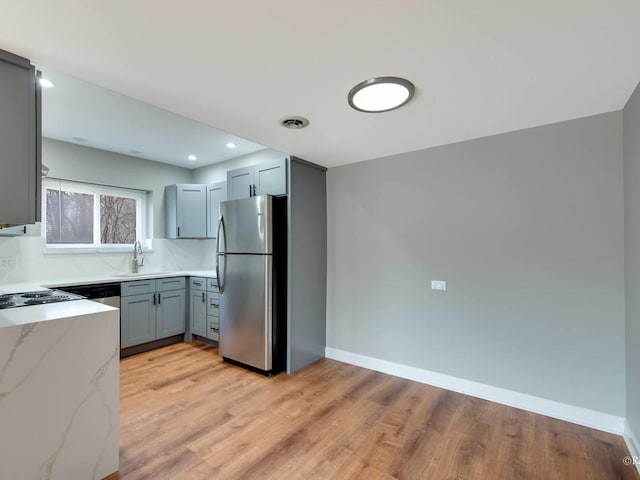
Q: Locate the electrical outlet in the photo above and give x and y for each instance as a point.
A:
(438, 285)
(7, 263)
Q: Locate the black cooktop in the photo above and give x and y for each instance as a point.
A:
(40, 297)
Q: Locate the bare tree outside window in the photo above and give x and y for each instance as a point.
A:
(69, 217)
(80, 215)
(117, 220)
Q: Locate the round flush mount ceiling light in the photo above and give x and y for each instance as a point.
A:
(381, 94)
(230, 145)
(192, 158)
(46, 83)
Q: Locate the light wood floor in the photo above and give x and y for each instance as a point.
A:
(187, 415)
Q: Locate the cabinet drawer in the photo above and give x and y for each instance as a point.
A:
(198, 283)
(166, 284)
(214, 332)
(212, 285)
(137, 287)
(213, 304)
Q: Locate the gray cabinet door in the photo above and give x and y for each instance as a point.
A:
(170, 313)
(198, 313)
(216, 193)
(192, 211)
(240, 183)
(271, 178)
(137, 319)
(19, 141)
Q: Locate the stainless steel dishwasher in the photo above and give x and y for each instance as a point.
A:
(107, 293)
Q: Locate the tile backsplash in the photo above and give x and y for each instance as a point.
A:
(23, 259)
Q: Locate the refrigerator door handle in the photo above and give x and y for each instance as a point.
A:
(219, 254)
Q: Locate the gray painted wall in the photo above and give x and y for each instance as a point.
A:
(527, 230)
(632, 255)
(74, 162)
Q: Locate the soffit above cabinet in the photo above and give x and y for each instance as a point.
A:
(79, 112)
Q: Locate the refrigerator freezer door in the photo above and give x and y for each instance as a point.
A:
(245, 310)
(247, 225)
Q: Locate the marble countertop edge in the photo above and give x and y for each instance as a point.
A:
(54, 311)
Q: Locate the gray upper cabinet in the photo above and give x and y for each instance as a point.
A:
(268, 178)
(20, 141)
(186, 211)
(271, 178)
(240, 183)
(216, 193)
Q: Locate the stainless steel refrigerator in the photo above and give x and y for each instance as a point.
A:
(251, 270)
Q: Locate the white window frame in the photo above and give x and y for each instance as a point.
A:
(140, 196)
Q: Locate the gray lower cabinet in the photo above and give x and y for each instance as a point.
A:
(198, 313)
(203, 315)
(213, 309)
(137, 319)
(170, 313)
(152, 310)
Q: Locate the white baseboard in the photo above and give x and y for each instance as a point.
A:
(562, 411)
(632, 444)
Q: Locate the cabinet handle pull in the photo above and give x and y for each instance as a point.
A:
(159, 299)
(203, 296)
(217, 305)
(178, 231)
(215, 329)
(154, 298)
(250, 191)
(254, 190)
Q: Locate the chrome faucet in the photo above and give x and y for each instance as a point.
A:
(137, 250)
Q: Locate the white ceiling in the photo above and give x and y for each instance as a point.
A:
(480, 67)
(107, 120)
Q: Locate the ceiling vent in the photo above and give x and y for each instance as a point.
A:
(294, 123)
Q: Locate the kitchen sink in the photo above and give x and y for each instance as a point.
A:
(140, 274)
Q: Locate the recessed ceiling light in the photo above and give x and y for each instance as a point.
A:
(192, 157)
(46, 83)
(381, 94)
(231, 145)
(79, 139)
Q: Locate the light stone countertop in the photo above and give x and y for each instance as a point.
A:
(11, 317)
(102, 278)
(53, 311)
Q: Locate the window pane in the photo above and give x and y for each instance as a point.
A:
(117, 220)
(69, 217)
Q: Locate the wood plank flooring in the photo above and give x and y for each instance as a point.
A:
(187, 415)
